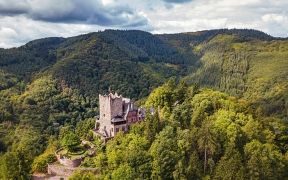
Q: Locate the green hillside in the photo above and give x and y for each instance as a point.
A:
(57, 81)
(253, 70)
(197, 134)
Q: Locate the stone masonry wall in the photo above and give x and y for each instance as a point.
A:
(105, 109)
(109, 106)
(68, 162)
(116, 107)
(67, 171)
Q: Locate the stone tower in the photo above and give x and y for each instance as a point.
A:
(110, 106)
(116, 114)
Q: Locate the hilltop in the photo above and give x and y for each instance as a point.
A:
(227, 60)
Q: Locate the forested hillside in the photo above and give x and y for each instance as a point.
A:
(51, 86)
(243, 63)
(195, 134)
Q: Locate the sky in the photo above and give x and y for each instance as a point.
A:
(24, 20)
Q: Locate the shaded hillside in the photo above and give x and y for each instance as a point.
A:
(30, 58)
(244, 63)
(135, 62)
(110, 58)
(255, 70)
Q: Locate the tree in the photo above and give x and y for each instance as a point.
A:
(182, 114)
(264, 161)
(152, 126)
(71, 141)
(164, 152)
(83, 127)
(100, 162)
(40, 162)
(230, 166)
(138, 158)
(206, 142)
(14, 165)
(123, 172)
(64, 131)
(78, 175)
(189, 164)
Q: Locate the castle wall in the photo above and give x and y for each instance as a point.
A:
(132, 117)
(121, 127)
(70, 163)
(66, 161)
(104, 107)
(68, 171)
(111, 106)
(105, 113)
(116, 107)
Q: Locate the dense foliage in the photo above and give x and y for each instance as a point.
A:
(195, 134)
(49, 88)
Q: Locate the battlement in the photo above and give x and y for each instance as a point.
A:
(110, 96)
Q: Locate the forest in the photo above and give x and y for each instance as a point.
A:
(195, 134)
(221, 99)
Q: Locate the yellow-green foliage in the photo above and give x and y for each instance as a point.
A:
(160, 96)
(206, 134)
(40, 90)
(78, 175)
(256, 70)
(223, 38)
(219, 40)
(40, 163)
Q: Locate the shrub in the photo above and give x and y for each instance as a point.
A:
(40, 163)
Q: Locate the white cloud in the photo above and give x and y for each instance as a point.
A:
(277, 23)
(107, 2)
(278, 18)
(210, 14)
(170, 26)
(15, 31)
(25, 20)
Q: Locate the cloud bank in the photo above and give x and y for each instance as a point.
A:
(73, 11)
(25, 20)
(177, 1)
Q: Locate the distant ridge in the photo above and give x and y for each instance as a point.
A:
(223, 59)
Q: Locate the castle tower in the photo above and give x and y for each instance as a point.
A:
(110, 106)
(116, 114)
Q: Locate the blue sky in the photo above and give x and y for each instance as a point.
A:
(25, 20)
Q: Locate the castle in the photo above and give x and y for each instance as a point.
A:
(116, 114)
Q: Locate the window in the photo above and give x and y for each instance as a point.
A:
(117, 129)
